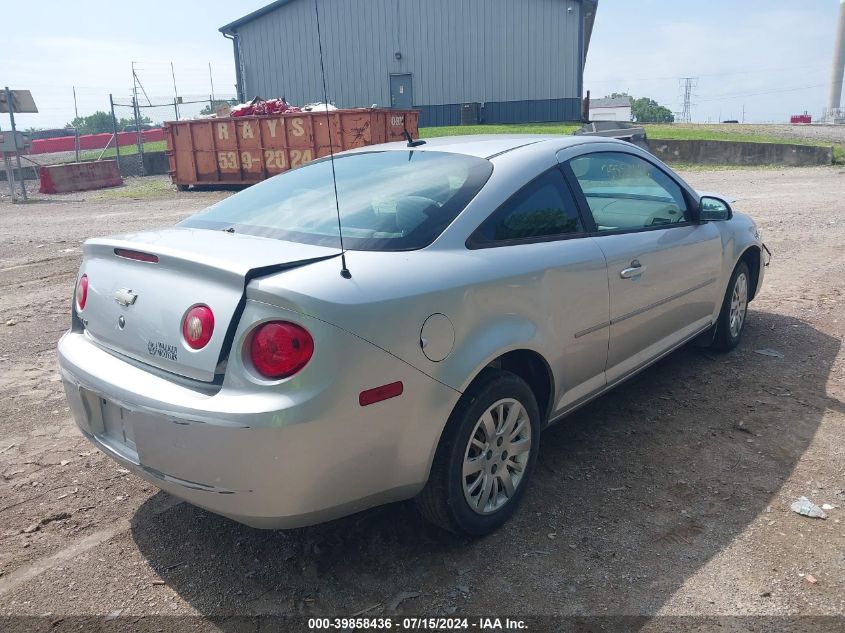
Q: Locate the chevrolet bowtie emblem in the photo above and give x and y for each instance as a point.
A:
(125, 297)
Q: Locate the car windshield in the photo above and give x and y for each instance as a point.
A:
(393, 200)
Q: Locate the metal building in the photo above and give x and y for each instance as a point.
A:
(509, 61)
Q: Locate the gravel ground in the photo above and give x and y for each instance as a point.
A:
(668, 496)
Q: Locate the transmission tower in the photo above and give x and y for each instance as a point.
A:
(687, 86)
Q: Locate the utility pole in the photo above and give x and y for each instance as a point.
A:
(10, 175)
(115, 130)
(137, 110)
(687, 85)
(743, 113)
(10, 102)
(211, 80)
(76, 127)
(175, 92)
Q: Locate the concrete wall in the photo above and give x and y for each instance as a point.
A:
(155, 163)
(79, 176)
(698, 152)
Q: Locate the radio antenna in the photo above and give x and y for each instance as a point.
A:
(344, 271)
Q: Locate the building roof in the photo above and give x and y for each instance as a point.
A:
(590, 7)
(611, 102)
(249, 17)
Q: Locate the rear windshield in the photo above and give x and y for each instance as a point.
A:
(394, 200)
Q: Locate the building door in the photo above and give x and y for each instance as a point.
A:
(401, 92)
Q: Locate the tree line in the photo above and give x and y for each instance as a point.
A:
(644, 110)
(101, 122)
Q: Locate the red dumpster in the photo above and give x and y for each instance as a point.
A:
(248, 149)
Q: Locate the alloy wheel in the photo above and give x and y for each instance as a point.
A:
(739, 304)
(496, 456)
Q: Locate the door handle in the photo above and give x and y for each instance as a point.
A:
(635, 270)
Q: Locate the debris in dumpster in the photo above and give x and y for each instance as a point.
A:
(259, 106)
(807, 508)
(318, 107)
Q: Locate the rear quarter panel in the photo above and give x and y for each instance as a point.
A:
(492, 311)
(497, 299)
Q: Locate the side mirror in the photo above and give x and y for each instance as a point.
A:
(713, 208)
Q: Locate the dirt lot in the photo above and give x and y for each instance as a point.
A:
(669, 496)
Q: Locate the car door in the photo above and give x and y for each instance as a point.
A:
(559, 276)
(662, 266)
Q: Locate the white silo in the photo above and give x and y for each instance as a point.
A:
(834, 103)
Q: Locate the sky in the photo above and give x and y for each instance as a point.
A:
(772, 58)
(91, 44)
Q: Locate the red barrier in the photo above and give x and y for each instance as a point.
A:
(80, 176)
(92, 141)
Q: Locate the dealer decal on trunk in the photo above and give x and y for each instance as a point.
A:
(162, 349)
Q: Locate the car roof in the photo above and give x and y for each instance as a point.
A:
(487, 145)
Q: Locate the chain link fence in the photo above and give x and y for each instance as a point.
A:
(143, 117)
(121, 130)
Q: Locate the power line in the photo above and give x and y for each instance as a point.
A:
(803, 69)
(758, 94)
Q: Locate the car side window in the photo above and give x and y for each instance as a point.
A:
(626, 192)
(543, 209)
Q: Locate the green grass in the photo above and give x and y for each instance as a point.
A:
(653, 131)
(656, 131)
(134, 189)
(126, 150)
(521, 128)
(94, 154)
(706, 133)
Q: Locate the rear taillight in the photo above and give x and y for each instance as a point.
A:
(197, 326)
(82, 292)
(280, 349)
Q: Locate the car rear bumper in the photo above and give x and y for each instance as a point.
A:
(269, 456)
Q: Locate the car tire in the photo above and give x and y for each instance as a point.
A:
(732, 316)
(477, 479)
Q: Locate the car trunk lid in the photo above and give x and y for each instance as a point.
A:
(141, 285)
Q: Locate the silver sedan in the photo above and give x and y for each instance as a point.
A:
(490, 286)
